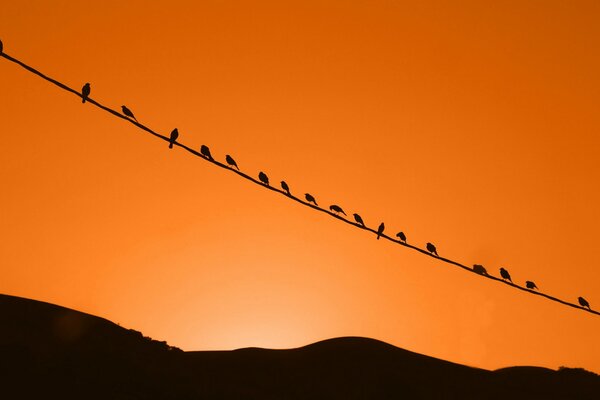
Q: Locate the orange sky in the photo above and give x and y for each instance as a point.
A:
(474, 127)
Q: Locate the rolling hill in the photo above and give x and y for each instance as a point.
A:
(48, 351)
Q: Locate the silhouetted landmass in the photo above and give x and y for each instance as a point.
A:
(49, 351)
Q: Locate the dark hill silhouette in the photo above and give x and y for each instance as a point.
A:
(49, 351)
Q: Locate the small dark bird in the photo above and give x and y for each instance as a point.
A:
(505, 275)
(85, 92)
(401, 236)
(530, 285)
(336, 209)
(173, 138)
(380, 230)
(128, 113)
(584, 303)
(1, 47)
(285, 187)
(309, 197)
(359, 220)
(263, 178)
(480, 269)
(205, 151)
(231, 162)
(431, 248)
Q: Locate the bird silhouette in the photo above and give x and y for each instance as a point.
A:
(285, 187)
(401, 236)
(530, 285)
(173, 138)
(309, 198)
(380, 230)
(128, 113)
(85, 92)
(359, 220)
(480, 269)
(431, 248)
(205, 151)
(231, 162)
(1, 47)
(584, 303)
(505, 275)
(263, 178)
(336, 209)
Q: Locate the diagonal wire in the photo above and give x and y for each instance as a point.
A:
(314, 207)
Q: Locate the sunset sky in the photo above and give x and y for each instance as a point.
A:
(470, 124)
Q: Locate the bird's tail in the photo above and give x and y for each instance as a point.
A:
(344, 213)
(171, 145)
(83, 100)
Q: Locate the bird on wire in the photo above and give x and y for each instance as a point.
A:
(480, 269)
(85, 92)
(205, 151)
(1, 47)
(359, 220)
(285, 187)
(505, 275)
(584, 303)
(231, 162)
(431, 248)
(309, 198)
(531, 285)
(380, 230)
(401, 236)
(173, 137)
(263, 178)
(128, 113)
(336, 209)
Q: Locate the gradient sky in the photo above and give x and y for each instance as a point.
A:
(468, 124)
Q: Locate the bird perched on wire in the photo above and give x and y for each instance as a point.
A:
(205, 151)
(128, 113)
(401, 236)
(480, 269)
(505, 275)
(263, 178)
(1, 47)
(309, 198)
(336, 209)
(431, 248)
(85, 92)
(359, 220)
(380, 230)
(530, 285)
(173, 138)
(285, 187)
(584, 303)
(231, 162)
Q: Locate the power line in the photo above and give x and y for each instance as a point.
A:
(284, 193)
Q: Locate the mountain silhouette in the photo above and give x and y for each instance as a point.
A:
(48, 351)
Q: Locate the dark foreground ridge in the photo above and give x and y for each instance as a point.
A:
(48, 351)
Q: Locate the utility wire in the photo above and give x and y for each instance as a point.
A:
(290, 196)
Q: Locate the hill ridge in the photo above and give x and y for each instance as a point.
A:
(70, 354)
